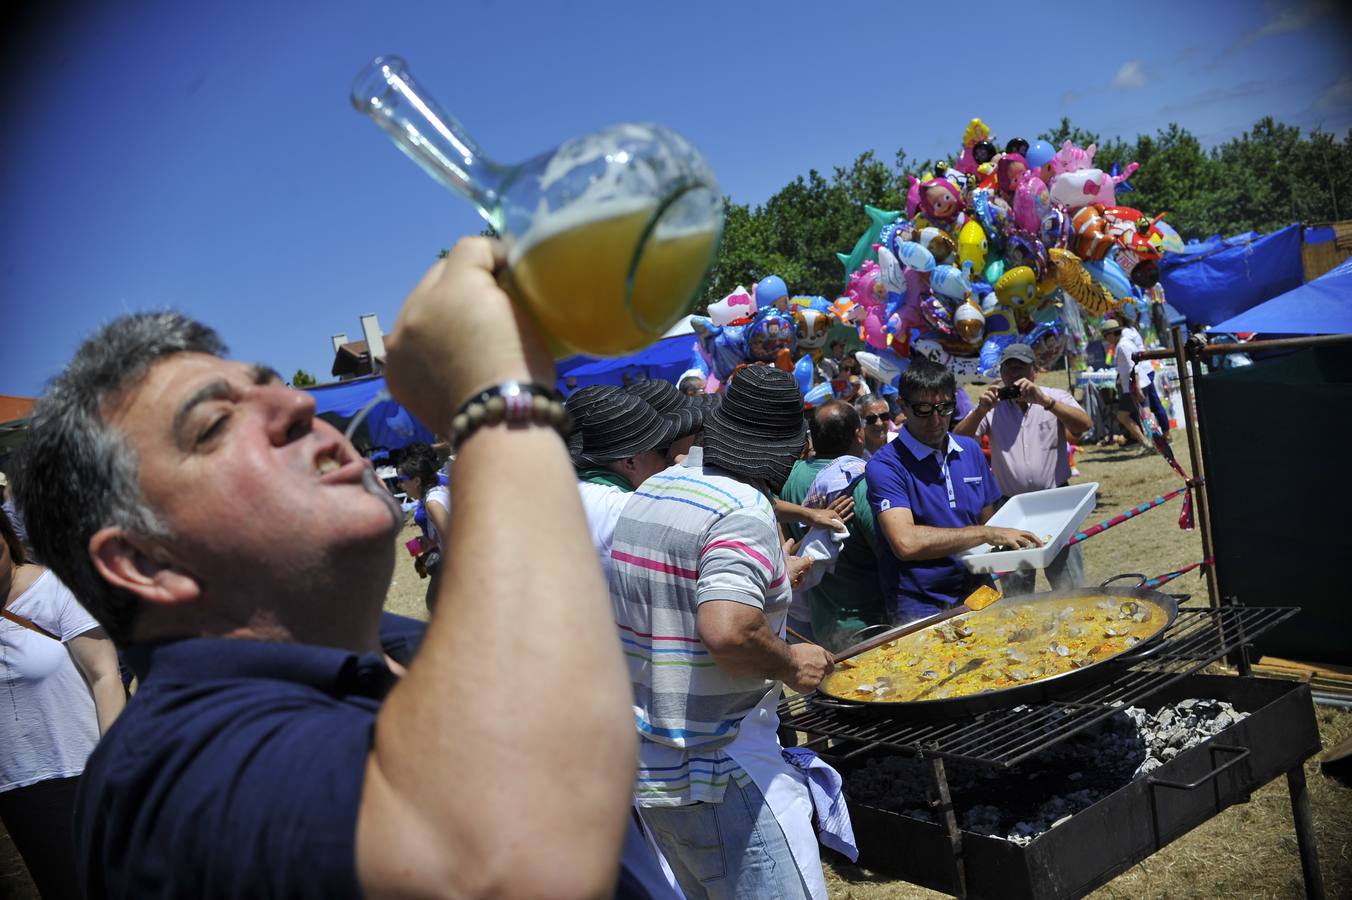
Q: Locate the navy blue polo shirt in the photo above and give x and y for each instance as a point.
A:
(945, 489)
(235, 771)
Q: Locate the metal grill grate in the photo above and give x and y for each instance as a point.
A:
(1006, 737)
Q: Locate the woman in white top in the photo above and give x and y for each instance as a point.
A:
(61, 690)
(418, 477)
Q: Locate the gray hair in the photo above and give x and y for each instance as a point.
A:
(78, 474)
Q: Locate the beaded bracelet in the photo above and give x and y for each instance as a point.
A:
(518, 403)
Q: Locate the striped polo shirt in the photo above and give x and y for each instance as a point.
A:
(689, 534)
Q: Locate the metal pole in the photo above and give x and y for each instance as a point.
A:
(944, 806)
(1309, 851)
(1256, 346)
(1186, 376)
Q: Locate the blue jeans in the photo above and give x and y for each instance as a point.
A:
(734, 850)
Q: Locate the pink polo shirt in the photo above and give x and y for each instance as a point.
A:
(1028, 447)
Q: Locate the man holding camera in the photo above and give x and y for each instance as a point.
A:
(1028, 425)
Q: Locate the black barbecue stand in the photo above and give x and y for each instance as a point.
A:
(1004, 738)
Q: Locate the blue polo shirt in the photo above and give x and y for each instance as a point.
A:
(237, 769)
(943, 489)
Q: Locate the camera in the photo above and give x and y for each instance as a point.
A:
(1009, 393)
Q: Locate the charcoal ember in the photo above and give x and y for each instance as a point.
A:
(1037, 795)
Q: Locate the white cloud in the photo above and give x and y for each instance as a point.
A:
(1131, 74)
(1337, 97)
(1285, 21)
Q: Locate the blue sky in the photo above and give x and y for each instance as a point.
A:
(206, 156)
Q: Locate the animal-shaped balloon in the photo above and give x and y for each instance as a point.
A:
(1109, 274)
(915, 256)
(969, 323)
(972, 247)
(1071, 158)
(1091, 238)
(1083, 187)
(891, 271)
(863, 248)
(1017, 287)
(964, 369)
(938, 243)
(950, 282)
(865, 285)
(1078, 283)
(737, 305)
(769, 335)
(812, 327)
(1032, 201)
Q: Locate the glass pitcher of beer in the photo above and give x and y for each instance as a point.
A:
(609, 236)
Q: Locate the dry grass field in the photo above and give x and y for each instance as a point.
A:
(1248, 851)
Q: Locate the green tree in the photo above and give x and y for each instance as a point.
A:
(303, 379)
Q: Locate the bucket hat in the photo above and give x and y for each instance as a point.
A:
(610, 425)
(758, 431)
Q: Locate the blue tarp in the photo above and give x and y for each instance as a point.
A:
(1324, 306)
(388, 423)
(664, 360)
(1219, 278)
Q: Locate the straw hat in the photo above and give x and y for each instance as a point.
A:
(757, 432)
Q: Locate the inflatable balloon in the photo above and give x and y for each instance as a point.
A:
(1039, 154)
(1025, 250)
(1017, 287)
(883, 366)
(1009, 171)
(863, 248)
(803, 371)
(1072, 159)
(972, 247)
(1074, 280)
(969, 323)
(915, 256)
(1083, 187)
(950, 282)
(770, 290)
(723, 344)
(937, 315)
(937, 243)
(811, 326)
(737, 305)
(995, 269)
(1090, 235)
(1109, 274)
(940, 200)
(964, 368)
(1169, 240)
(1055, 229)
(769, 333)
(1048, 343)
(1032, 202)
(891, 272)
(819, 394)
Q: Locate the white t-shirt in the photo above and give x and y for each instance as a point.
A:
(48, 725)
(441, 496)
(603, 505)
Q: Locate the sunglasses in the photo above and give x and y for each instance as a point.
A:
(874, 418)
(923, 410)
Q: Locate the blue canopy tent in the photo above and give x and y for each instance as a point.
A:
(665, 360)
(1323, 306)
(1218, 278)
(388, 424)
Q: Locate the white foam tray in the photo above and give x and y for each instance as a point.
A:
(1057, 512)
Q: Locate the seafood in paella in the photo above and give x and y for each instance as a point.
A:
(999, 647)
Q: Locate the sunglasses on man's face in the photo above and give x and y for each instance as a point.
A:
(924, 410)
(875, 418)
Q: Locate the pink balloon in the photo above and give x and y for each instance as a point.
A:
(1031, 202)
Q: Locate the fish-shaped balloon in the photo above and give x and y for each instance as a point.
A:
(915, 256)
(937, 242)
(972, 247)
(1109, 274)
(893, 276)
(1017, 287)
(950, 282)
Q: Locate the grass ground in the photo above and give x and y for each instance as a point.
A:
(1247, 851)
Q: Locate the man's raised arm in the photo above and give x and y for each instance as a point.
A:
(504, 761)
